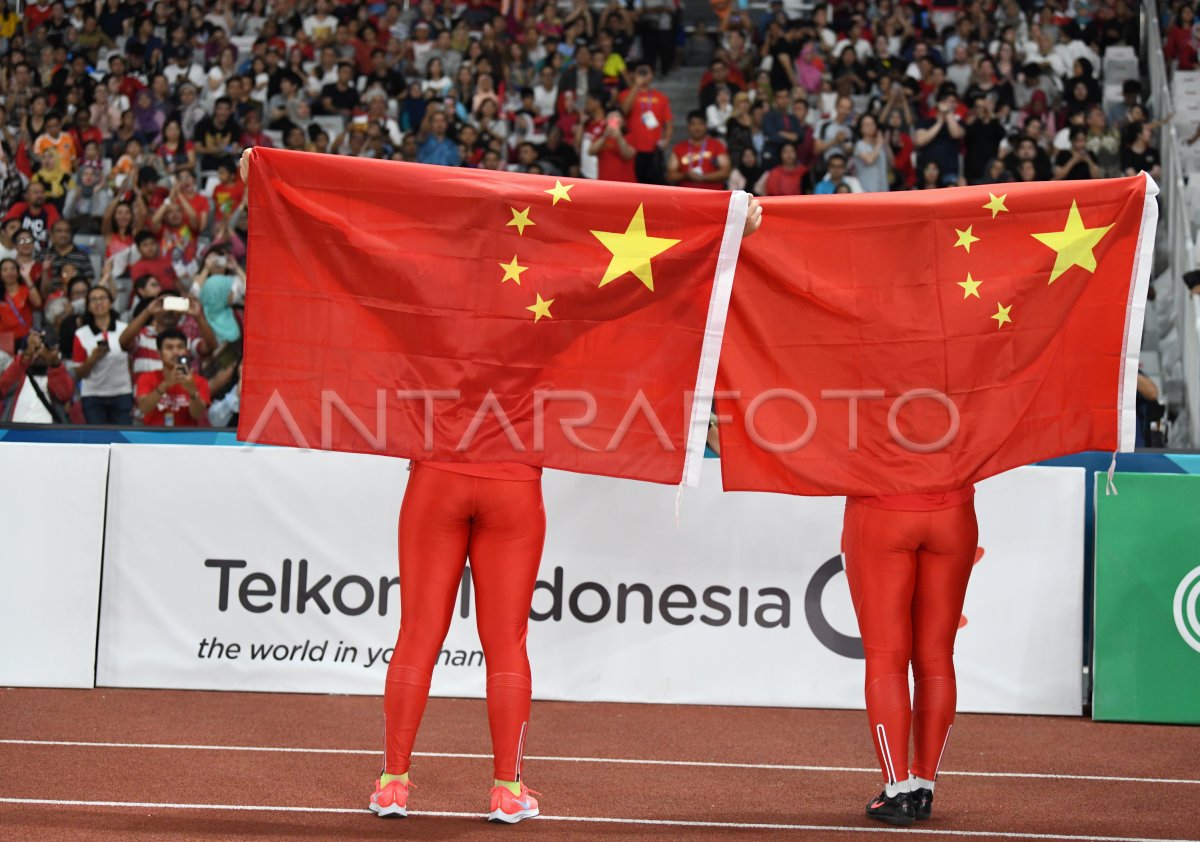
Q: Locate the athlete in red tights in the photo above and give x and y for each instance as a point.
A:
(494, 515)
(908, 558)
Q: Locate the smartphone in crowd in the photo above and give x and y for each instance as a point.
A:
(176, 303)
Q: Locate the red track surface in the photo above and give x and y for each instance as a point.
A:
(807, 803)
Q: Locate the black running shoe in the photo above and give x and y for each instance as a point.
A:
(897, 810)
(922, 800)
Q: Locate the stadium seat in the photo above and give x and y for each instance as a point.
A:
(332, 124)
(1120, 63)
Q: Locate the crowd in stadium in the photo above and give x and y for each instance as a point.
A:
(123, 238)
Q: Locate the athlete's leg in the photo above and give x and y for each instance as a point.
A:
(435, 525)
(505, 550)
(881, 569)
(944, 564)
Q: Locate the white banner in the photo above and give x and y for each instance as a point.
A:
(283, 579)
(51, 538)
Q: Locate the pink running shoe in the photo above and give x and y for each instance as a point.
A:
(509, 808)
(390, 800)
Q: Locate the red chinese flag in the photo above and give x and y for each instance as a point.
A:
(470, 316)
(921, 341)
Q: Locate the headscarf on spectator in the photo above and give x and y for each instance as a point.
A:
(214, 297)
(809, 68)
(1039, 108)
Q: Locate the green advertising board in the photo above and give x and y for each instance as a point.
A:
(1147, 621)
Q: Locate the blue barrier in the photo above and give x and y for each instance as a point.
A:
(31, 434)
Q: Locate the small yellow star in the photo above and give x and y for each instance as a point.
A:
(1002, 315)
(965, 238)
(970, 286)
(520, 220)
(1074, 244)
(559, 191)
(996, 205)
(512, 271)
(540, 308)
(632, 250)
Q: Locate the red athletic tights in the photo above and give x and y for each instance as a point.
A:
(500, 524)
(908, 576)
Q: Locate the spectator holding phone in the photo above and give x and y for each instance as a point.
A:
(175, 396)
(101, 365)
(605, 138)
(34, 387)
(167, 312)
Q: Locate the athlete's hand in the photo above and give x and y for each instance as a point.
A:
(244, 166)
(753, 218)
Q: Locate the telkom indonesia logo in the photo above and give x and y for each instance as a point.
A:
(1186, 619)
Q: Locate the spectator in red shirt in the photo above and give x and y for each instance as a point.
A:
(786, 178)
(252, 131)
(649, 118)
(150, 260)
(176, 237)
(126, 84)
(227, 195)
(700, 161)
(36, 14)
(83, 132)
(1181, 41)
(175, 396)
(186, 193)
(20, 300)
(606, 139)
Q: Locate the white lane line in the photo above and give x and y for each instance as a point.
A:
(272, 808)
(626, 761)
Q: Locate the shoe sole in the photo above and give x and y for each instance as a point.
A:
(393, 811)
(512, 818)
(895, 821)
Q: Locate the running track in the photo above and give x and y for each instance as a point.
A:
(159, 765)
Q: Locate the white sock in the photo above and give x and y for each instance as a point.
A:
(916, 783)
(892, 790)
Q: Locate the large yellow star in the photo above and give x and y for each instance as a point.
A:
(970, 286)
(559, 191)
(1002, 315)
(540, 308)
(1074, 244)
(996, 205)
(632, 251)
(965, 238)
(512, 271)
(520, 219)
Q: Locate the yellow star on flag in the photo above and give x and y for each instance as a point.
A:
(540, 308)
(996, 205)
(632, 250)
(520, 220)
(970, 286)
(965, 238)
(1002, 315)
(1073, 244)
(512, 271)
(559, 191)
